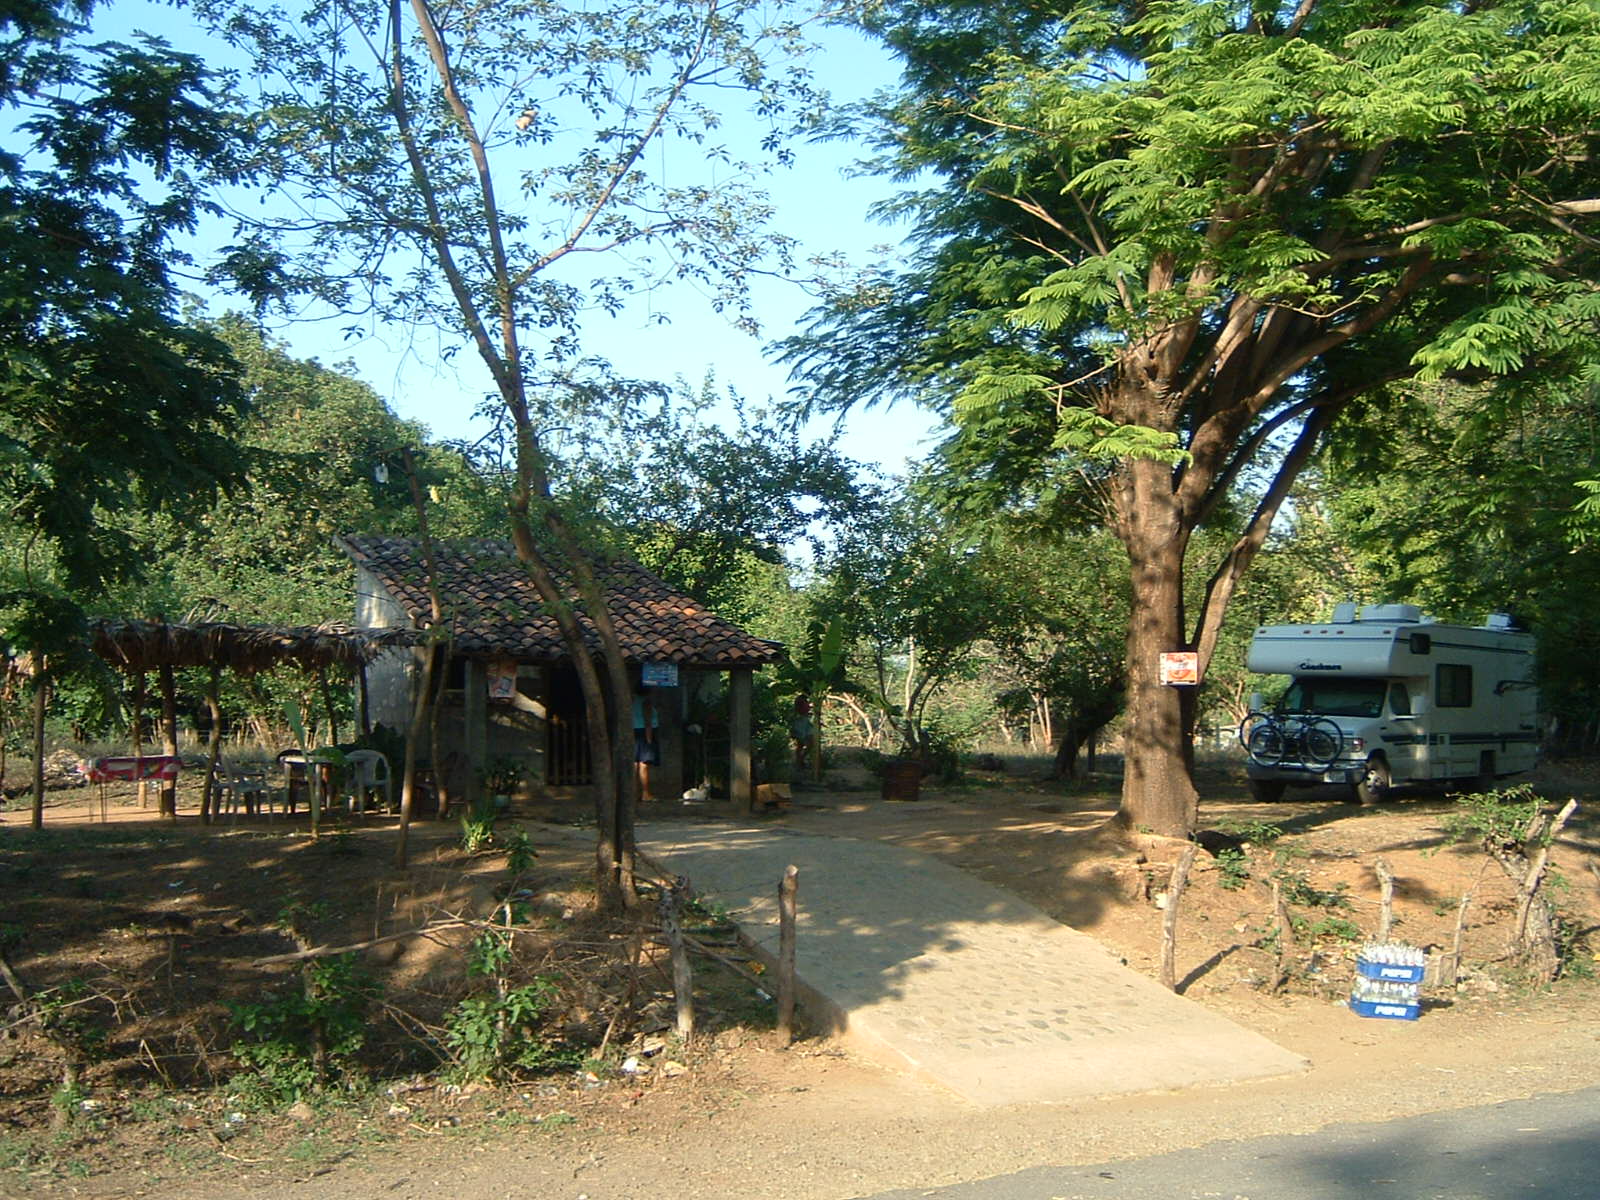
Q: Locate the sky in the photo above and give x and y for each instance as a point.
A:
(816, 201)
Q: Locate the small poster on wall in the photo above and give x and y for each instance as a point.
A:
(659, 674)
(1180, 668)
(502, 680)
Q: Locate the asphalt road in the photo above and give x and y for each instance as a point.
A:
(1547, 1148)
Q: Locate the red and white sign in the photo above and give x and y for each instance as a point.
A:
(1180, 668)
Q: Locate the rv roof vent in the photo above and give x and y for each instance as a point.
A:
(1500, 620)
(1392, 612)
(1344, 613)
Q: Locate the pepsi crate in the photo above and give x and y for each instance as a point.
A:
(1383, 1009)
(1392, 972)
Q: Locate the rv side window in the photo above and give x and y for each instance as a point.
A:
(1454, 686)
(1399, 700)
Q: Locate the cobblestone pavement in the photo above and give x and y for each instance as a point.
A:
(933, 971)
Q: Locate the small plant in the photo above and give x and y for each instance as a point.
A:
(499, 1034)
(502, 776)
(295, 1043)
(1257, 833)
(1233, 870)
(1297, 889)
(520, 853)
(1336, 928)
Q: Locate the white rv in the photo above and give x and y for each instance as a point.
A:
(1384, 698)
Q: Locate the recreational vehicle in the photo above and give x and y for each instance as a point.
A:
(1383, 697)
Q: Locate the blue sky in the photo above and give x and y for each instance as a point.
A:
(816, 202)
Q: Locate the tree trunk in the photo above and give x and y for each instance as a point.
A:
(41, 695)
(408, 779)
(1158, 792)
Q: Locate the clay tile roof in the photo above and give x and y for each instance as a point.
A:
(496, 611)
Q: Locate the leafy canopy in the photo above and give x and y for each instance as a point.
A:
(107, 398)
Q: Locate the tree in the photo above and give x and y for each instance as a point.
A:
(108, 399)
(1186, 236)
(454, 164)
(919, 599)
(711, 510)
(1515, 485)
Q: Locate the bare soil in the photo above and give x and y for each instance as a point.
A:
(161, 928)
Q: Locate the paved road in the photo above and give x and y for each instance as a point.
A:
(1547, 1148)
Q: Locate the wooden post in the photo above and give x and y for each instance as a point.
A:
(787, 887)
(41, 699)
(138, 735)
(363, 701)
(208, 797)
(1386, 898)
(169, 738)
(741, 783)
(328, 708)
(1169, 924)
(1285, 936)
(682, 977)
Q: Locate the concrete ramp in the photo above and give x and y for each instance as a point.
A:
(931, 970)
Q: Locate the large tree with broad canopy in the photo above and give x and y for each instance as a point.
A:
(1181, 237)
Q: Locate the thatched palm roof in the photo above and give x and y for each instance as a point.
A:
(134, 645)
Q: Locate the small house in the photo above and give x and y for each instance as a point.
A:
(511, 703)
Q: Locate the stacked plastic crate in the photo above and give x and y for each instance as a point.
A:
(1389, 981)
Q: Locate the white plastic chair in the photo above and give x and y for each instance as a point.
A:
(237, 784)
(368, 769)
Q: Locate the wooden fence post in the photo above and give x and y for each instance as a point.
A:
(1169, 925)
(682, 977)
(787, 888)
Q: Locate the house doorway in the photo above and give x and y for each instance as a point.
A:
(569, 761)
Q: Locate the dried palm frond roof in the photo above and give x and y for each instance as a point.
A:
(495, 610)
(143, 645)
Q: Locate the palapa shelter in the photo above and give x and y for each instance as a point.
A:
(512, 694)
(146, 645)
(139, 646)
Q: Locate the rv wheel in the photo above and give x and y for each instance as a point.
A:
(1373, 786)
(1485, 780)
(1267, 791)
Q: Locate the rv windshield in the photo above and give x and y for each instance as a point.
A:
(1335, 697)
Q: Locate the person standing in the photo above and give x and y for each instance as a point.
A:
(646, 742)
(801, 731)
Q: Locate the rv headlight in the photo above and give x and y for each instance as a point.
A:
(1357, 744)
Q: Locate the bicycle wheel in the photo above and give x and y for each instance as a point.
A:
(1320, 743)
(1267, 743)
(1252, 719)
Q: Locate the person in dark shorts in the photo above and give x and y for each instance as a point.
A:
(646, 745)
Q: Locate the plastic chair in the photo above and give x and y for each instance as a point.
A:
(368, 769)
(236, 784)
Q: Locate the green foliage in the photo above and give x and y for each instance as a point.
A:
(108, 401)
(1497, 819)
(477, 824)
(1200, 231)
(294, 1043)
(489, 954)
(66, 1016)
(1405, 477)
(1233, 870)
(1339, 929)
(500, 1035)
(1257, 833)
(520, 854)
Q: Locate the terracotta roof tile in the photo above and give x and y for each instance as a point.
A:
(497, 611)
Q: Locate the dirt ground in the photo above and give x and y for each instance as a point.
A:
(163, 926)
